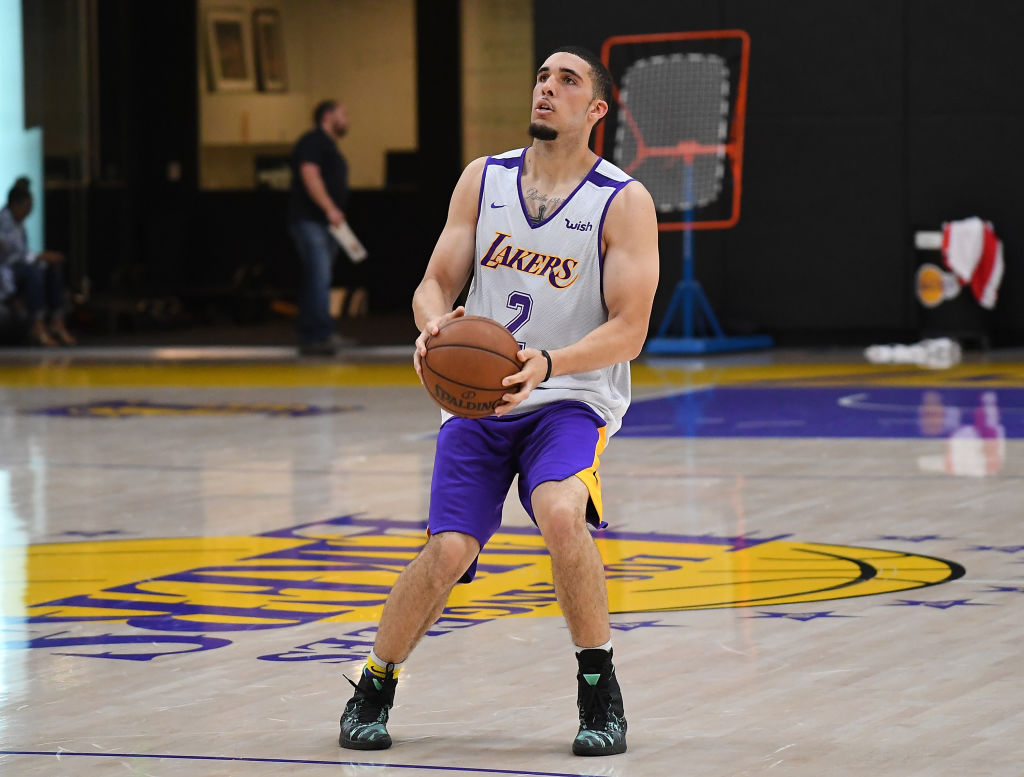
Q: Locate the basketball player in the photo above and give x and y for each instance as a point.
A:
(563, 246)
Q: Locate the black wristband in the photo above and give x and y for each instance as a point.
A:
(547, 356)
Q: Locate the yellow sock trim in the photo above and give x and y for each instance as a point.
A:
(379, 669)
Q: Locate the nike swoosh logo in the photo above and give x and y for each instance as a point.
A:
(496, 206)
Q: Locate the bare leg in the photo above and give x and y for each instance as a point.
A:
(38, 335)
(60, 331)
(415, 602)
(358, 306)
(337, 301)
(560, 509)
(421, 592)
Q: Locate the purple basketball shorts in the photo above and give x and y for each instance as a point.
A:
(477, 459)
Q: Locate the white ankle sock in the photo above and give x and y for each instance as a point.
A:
(378, 667)
(606, 647)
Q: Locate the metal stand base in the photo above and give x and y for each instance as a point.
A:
(682, 346)
(689, 312)
(700, 330)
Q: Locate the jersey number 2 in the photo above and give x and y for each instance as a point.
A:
(522, 303)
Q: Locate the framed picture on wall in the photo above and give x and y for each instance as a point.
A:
(270, 61)
(228, 50)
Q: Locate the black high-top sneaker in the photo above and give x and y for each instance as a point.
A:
(602, 720)
(364, 721)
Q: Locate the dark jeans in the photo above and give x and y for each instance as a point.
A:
(42, 285)
(317, 249)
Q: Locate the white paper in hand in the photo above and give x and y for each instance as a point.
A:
(347, 238)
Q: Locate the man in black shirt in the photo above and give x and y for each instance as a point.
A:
(318, 198)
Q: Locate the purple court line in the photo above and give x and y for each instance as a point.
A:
(381, 473)
(473, 769)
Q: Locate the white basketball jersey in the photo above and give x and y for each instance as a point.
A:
(543, 281)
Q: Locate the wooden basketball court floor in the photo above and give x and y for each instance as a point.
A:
(816, 567)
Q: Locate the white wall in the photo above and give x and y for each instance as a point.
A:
(364, 52)
(359, 51)
(21, 150)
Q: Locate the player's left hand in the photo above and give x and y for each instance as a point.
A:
(535, 367)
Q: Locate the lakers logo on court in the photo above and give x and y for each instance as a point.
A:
(142, 599)
(123, 408)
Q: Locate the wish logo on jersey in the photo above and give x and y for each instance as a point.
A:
(561, 272)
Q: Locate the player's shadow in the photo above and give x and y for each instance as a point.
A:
(472, 749)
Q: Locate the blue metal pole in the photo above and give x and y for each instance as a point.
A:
(688, 274)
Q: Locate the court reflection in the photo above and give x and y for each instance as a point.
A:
(977, 420)
(975, 436)
(12, 594)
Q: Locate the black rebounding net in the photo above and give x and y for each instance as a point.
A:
(676, 124)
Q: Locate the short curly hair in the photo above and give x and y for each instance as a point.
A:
(598, 72)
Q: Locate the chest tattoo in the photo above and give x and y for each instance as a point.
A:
(538, 205)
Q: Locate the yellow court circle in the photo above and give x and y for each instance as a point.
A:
(343, 569)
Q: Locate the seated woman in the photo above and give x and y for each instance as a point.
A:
(38, 277)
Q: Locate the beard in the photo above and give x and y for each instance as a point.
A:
(542, 132)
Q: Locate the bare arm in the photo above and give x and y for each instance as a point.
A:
(451, 262)
(317, 191)
(630, 280)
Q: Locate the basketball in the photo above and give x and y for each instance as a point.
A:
(465, 363)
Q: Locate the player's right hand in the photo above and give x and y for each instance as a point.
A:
(432, 327)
